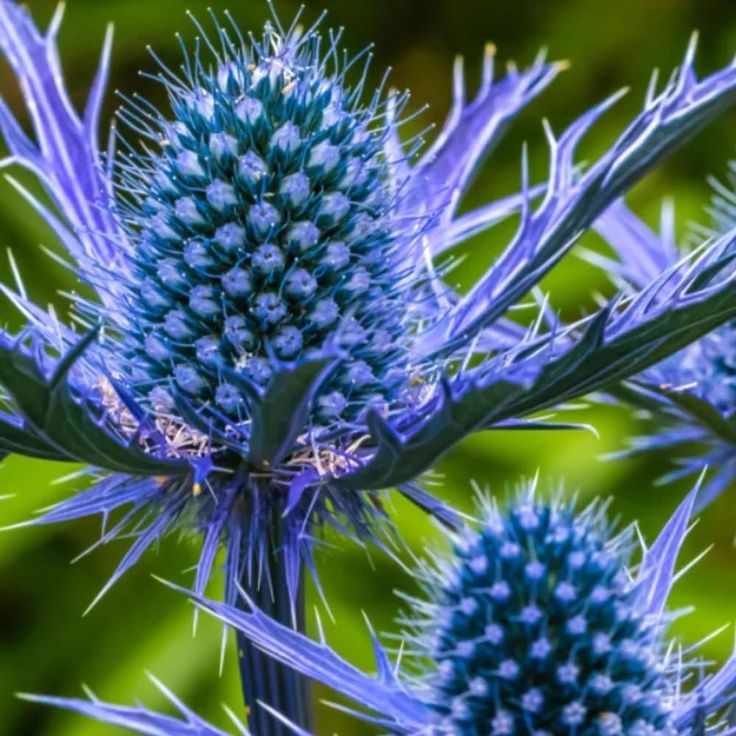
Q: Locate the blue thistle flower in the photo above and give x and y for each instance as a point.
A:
(263, 233)
(537, 623)
(270, 344)
(692, 394)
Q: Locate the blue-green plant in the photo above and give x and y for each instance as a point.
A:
(264, 341)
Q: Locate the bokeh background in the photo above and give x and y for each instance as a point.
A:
(46, 645)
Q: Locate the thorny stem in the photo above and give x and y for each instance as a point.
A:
(263, 679)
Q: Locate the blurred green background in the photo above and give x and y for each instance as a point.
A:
(45, 643)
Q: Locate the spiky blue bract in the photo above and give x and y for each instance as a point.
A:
(274, 336)
(139, 719)
(537, 623)
(691, 395)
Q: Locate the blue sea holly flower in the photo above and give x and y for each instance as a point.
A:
(269, 343)
(691, 396)
(536, 623)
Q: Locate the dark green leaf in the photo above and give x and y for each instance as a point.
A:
(21, 439)
(281, 413)
(69, 424)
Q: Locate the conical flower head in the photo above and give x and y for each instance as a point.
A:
(536, 629)
(262, 231)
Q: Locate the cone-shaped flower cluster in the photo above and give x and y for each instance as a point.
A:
(536, 626)
(263, 232)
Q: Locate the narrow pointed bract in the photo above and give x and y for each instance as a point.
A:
(65, 154)
(139, 719)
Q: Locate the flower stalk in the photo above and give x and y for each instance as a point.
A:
(265, 681)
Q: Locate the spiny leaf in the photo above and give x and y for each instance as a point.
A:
(520, 387)
(70, 425)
